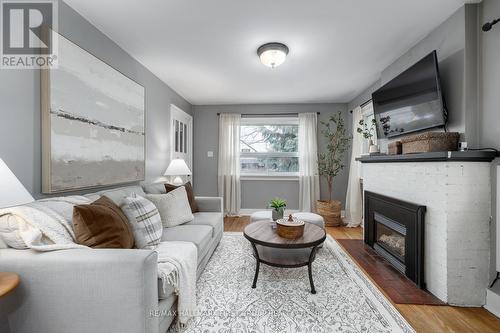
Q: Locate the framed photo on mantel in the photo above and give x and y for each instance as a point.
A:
(93, 129)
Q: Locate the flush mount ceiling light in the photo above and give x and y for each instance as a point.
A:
(272, 54)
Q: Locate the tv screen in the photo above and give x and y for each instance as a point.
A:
(412, 101)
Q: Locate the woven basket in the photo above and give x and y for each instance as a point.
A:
(430, 141)
(330, 211)
(289, 230)
(395, 148)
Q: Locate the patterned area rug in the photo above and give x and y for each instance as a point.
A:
(346, 301)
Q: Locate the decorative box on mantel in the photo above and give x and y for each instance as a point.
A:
(456, 190)
(430, 141)
(395, 148)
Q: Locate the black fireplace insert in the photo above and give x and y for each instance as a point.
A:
(395, 230)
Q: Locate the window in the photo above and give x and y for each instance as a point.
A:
(269, 147)
(368, 116)
(180, 136)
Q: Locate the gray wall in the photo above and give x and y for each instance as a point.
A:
(490, 107)
(490, 98)
(470, 72)
(255, 194)
(20, 144)
(364, 96)
(457, 53)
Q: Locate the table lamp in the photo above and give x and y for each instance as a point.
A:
(12, 191)
(177, 168)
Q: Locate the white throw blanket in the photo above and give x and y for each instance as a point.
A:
(47, 226)
(177, 264)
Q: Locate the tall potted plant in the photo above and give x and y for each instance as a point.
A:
(330, 163)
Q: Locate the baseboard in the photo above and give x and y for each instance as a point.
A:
(493, 301)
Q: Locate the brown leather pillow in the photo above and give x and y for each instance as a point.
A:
(102, 224)
(190, 194)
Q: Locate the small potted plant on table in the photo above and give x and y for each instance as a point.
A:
(330, 164)
(278, 205)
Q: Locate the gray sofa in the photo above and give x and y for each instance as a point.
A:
(103, 290)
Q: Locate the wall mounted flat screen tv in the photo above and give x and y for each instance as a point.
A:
(412, 101)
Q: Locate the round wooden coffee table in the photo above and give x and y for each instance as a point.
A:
(273, 250)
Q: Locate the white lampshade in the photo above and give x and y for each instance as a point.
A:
(12, 192)
(177, 167)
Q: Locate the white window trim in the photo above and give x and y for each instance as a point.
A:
(270, 154)
(248, 121)
(285, 176)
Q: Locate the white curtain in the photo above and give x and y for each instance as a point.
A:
(308, 162)
(229, 162)
(353, 205)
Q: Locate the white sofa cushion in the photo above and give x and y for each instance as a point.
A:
(154, 188)
(214, 220)
(118, 194)
(199, 235)
(144, 219)
(11, 228)
(173, 207)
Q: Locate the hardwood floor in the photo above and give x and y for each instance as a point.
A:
(398, 287)
(423, 318)
(236, 224)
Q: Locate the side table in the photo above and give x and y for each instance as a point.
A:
(8, 282)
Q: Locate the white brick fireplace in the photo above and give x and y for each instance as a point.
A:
(458, 199)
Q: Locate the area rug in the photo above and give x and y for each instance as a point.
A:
(346, 300)
(396, 286)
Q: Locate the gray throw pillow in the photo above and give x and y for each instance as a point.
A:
(144, 219)
(173, 207)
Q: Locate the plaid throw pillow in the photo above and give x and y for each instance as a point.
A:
(144, 220)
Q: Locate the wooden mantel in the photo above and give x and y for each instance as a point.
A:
(441, 156)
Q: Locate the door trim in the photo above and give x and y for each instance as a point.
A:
(176, 112)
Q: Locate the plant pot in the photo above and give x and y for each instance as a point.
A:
(374, 149)
(277, 214)
(330, 210)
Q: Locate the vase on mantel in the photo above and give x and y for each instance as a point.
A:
(373, 148)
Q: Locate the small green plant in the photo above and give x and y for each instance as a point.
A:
(365, 131)
(278, 205)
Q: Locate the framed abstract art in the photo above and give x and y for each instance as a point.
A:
(93, 123)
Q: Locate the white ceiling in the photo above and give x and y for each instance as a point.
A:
(206, 50)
